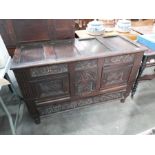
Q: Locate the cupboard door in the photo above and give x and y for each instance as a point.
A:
(112, 77)
(51, 87)
(85, 77)
(54, 86)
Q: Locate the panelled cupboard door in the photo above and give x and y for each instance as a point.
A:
(52, 87)
(85, 77)
(115, 76)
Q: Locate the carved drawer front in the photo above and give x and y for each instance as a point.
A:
(115, 76)
(48, 70)
(56, 107)
(85, 77)
(122, 59)
(81, 65)
(40, 71)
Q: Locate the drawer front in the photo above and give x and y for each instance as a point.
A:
(85, 77)
(117, 60)
(88, 64)
(52, 87)
(61, 106)
(112, 77)
(39, 72)
(48, 70)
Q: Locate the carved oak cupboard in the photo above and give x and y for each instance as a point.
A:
(60, 75)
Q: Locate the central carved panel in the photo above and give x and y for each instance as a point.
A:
(85, 81)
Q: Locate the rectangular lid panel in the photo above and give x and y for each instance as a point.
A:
(117, 43)
(65, 49)
(32, 53)
(90, 46)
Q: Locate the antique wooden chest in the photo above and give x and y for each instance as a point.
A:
(60, 75)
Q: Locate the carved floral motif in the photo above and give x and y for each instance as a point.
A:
(46, 110)
(85, 81)
(47, 70)
(86, 64)
(119, 59)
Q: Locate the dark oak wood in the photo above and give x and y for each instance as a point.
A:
(17, 31)
(60, 75)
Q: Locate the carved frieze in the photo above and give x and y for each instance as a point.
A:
(86, 64)
(47, 70)
(107, 97)
(46, 110)
(129, 58)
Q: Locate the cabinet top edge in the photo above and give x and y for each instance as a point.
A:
(66, 51)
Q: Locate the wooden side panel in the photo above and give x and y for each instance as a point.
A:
(133, 74)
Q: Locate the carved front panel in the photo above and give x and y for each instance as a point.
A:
(85, 77)
(129, 58)
(78, 103)
(112, 77)
(85, 81)
(53, 87)
(47, 70)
